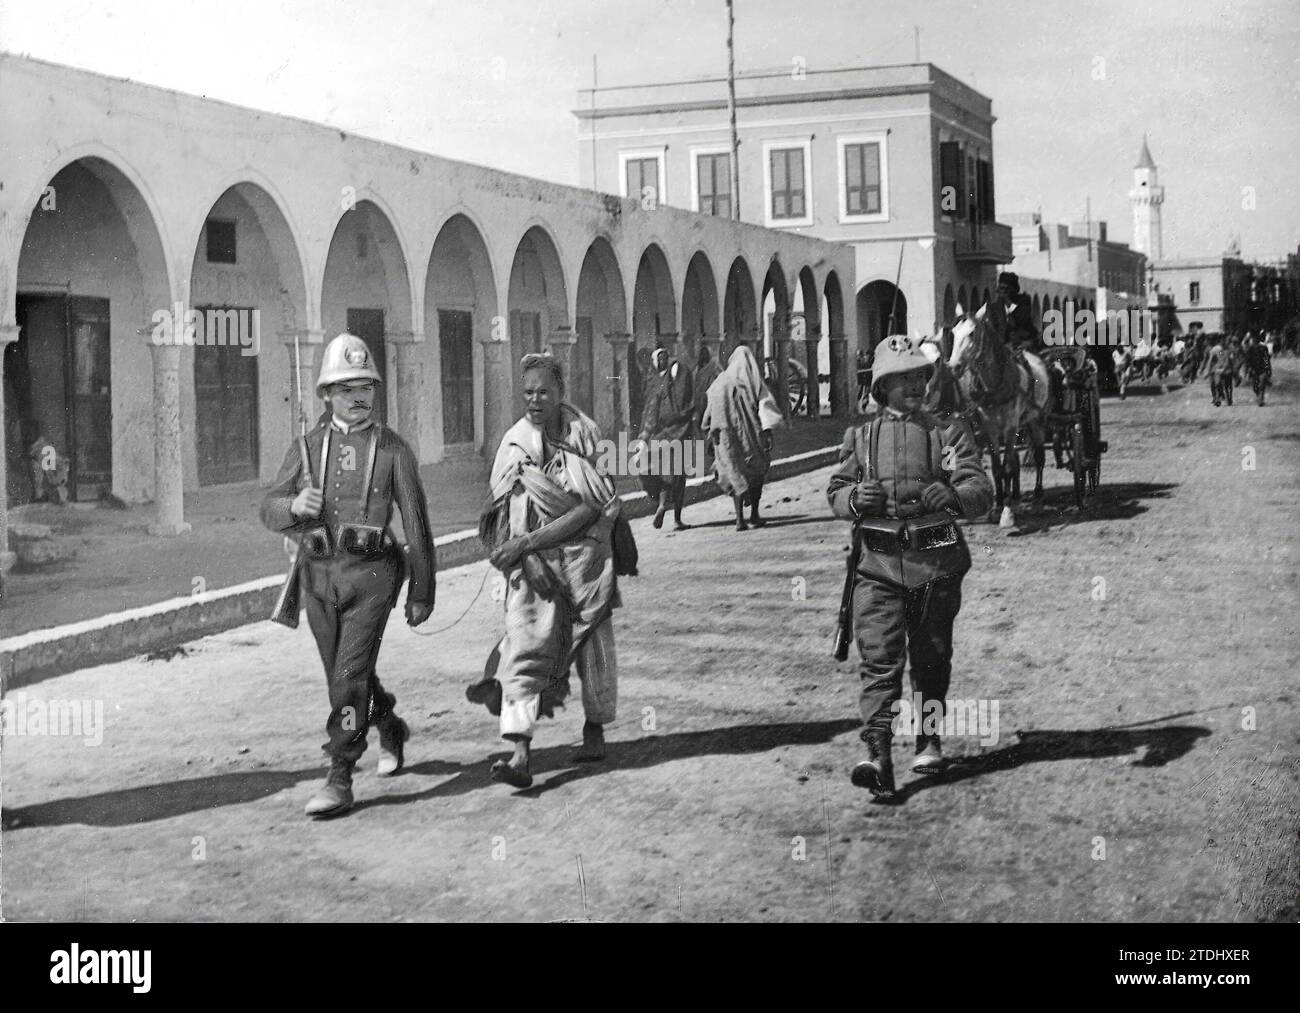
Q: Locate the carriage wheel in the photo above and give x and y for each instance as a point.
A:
(1078, 464)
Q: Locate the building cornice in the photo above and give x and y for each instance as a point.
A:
(749, 102)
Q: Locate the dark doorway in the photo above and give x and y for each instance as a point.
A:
(368, 325)
(456, 344)
(225, 407)
(882, 311)
(61, 391)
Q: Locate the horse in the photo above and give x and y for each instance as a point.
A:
(944, 398)
(1010, 400)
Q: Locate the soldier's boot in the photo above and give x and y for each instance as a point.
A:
(929, 755)
(876, 773)
(334, 797)
(393, 733)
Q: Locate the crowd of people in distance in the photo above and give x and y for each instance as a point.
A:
(1225, 360)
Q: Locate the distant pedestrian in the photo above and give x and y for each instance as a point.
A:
(738, 419)
(707, 370)
(1191, 359)
(1220, 368)
(667, 428)
(1123, 359)
(1259, 367)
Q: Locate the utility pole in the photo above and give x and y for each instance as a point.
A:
(593, 123)
(916, 37)
(731, 111)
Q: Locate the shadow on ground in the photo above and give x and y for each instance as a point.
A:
(163, 801)
(1160, 746)
(1119, 502)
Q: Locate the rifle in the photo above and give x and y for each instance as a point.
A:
(844, 625)
(287, 605)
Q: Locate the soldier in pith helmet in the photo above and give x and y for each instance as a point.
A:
(357, 508)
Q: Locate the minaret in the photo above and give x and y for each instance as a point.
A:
(1146, 198)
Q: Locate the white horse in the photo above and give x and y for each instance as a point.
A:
(1011, 399)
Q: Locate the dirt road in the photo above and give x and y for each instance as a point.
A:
(1141, 656)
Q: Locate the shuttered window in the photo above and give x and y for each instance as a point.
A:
(788, 193)
(714, 174)
(952, 180)
(862, 179)
(643, 174)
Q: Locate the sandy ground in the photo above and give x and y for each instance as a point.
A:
(1146, 762)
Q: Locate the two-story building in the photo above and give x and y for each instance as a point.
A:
(1222, 294)
(896, 161)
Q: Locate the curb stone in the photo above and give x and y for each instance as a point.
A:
(41, 654)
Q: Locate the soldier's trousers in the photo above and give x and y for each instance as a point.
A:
(894, 626)
(347, 599)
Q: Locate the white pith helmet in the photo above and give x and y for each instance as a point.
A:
(346, 358)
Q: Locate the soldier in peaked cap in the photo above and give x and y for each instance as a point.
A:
(358, 511)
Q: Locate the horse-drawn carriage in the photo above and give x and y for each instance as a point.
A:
(1073, 417)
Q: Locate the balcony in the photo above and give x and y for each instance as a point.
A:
(989, 243)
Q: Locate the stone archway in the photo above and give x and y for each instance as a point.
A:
(882, 311)
(233, 394)
(538, 302)
(842, 371)
(366, 291)
(654, 315)
(739, 309)
(92, 276)
(460, 307)
(700, 324)
(598, 362)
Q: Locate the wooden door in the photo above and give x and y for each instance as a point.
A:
(368, 325)
(63, 391)
(91, 397)
(225, 409)
(456, 345)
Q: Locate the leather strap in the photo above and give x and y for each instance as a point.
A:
(371, 454)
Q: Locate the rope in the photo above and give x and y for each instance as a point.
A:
(431, 633)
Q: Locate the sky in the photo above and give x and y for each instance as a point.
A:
(1215, 85)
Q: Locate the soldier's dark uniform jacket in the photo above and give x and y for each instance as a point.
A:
(1015, 325)
(890, 622)
(349, 593)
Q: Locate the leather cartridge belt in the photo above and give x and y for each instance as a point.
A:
(364, 540)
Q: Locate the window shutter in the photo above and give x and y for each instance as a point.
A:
(982, 189)
(950, 176)
(986, 190)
